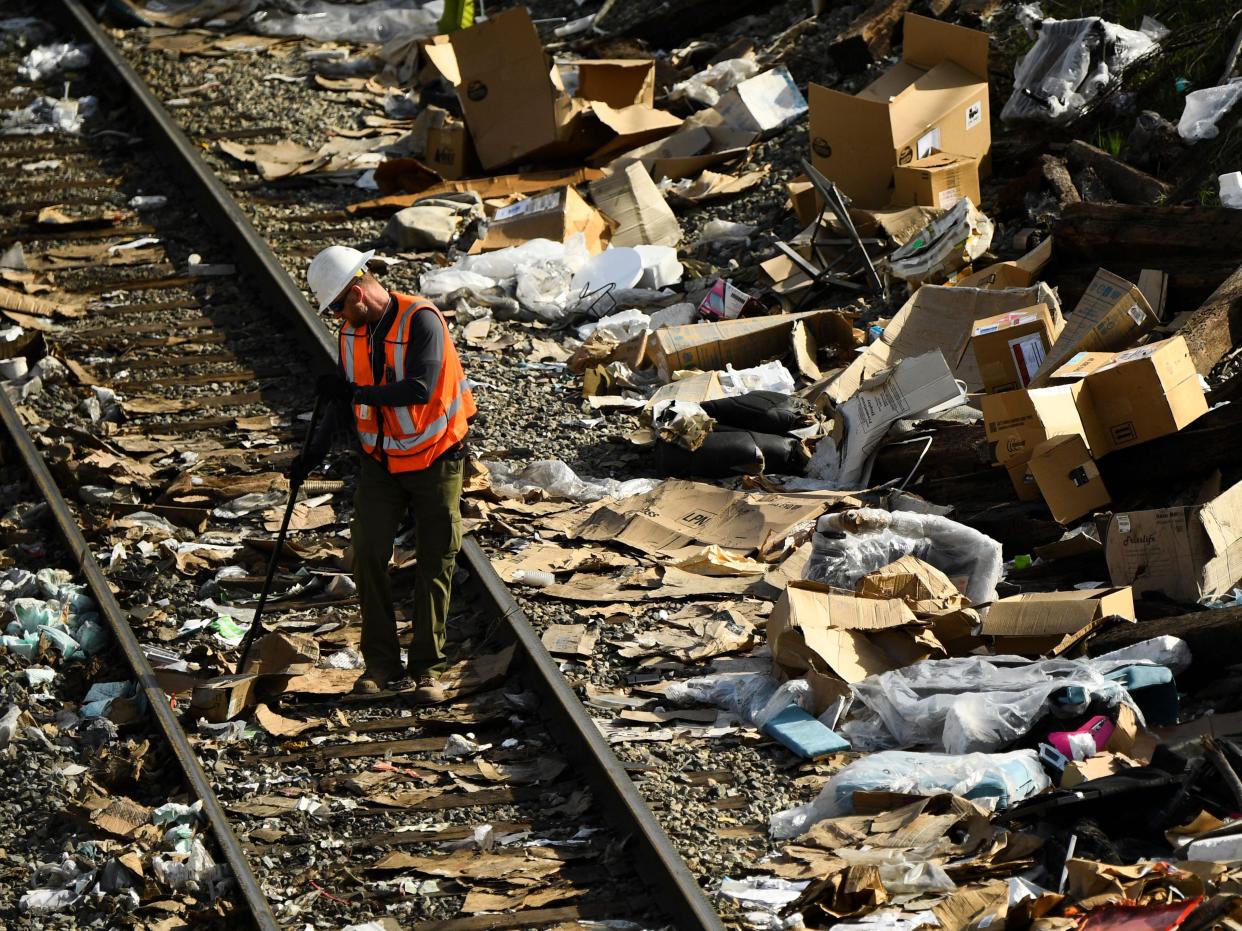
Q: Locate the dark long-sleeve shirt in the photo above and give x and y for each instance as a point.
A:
(424, 355)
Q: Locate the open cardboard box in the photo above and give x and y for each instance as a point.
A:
(936, 97)
(1039, 623)
(939, 180)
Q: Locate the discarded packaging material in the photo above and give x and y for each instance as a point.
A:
(940, 180)
(950, 243)
(1011, 347)
(1049, 622)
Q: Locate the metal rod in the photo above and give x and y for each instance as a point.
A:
(114, 614)
(655, 858)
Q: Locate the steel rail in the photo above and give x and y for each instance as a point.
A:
(112, 611)
(657, 860)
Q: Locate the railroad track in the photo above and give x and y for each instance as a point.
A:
(542, 827)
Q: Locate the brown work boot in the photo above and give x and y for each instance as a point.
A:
(428, 690)
(368, 684)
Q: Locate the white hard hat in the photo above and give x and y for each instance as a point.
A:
(332, 269)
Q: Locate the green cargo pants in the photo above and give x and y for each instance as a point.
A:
(380, 503)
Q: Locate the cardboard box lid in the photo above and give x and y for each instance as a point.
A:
(1052, 410)
(1080, 365)
(1168, 358)
(1037, 313)
(618, 82)
(939, 317)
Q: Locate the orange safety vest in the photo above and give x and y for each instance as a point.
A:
(413, 437)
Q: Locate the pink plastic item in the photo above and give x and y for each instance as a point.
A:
(1084, 742)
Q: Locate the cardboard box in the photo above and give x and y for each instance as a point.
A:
(618, 82)
(1111, 315)
(450, 152)
(939, 180)
(1023, 480)
(633, 202)
(555, 215)
(1010, 347)
(745, 342)
(814, 627)
(763, 103)
(1185, 553)
(1068, 478)
(1146, 393)
(1018, 421)
(804, 200)
(939, 317)
(1017, 273)
(936, 97)
(503, 81)
(1037, 623)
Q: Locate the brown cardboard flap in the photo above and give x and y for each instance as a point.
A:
(618, 82)
(631, 199)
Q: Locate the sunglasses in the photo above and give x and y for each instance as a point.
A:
(338, 306)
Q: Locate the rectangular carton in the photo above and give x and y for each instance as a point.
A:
(1067, 477)
(554, 215)
(1010, 347)
(745, 342)
(1111, 315)
(1146, 393)
(940, 180)
(936, 97)
(1036, 623)
(1185, 553)
(1018, 421)
(449, 150)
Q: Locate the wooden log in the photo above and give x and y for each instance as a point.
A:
(869, 38)
(1058, 178)
(1126, 182)
(1155, 235)
(1216, 327)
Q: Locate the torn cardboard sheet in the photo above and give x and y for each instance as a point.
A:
(679, 514)
(631, 199)
(287, 159)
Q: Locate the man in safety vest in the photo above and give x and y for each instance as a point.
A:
(402, 385)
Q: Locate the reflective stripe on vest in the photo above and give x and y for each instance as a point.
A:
(411, 441)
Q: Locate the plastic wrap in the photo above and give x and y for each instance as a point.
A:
(48, 60)
(1070, 64)
(848, 545)
(620, 326)
(948, 243)
(48, 115)
(1204, 108)
(1231, 190)
(377, 22)
(991, 780)
(753, 698)
(762, 411)
(555, 479)
(973, 704)
(708, 85)
(771, 376)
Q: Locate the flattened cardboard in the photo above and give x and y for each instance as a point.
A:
(1146, 393)
(744, 342)
(678, 514)
(1009, 348)
(632, 126)
(1068, 478)
(1186, 553)
(1111, 315)
(554, 215)
(940, 317)
(1036, 623)
(935, 98)
(633, 202)
(940, 180)
(814, 627)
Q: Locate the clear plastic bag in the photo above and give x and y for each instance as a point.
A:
(991, 780)
(710, 84)
(1070, 64)
(377, 22)
(1204, 108)
(557, 480)
(972, 704)
(754, 698)
(848, 545)
(440, 282)
(48, 60)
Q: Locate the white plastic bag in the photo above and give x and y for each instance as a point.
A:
(751, 697)
(708, 85)
(1204, 108)
(378, 22)
(47, 60)
(557, 480)
(771, 376)
(849, 544)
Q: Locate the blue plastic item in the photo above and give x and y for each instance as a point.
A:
(799, 731)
